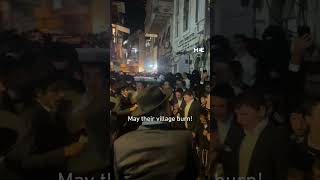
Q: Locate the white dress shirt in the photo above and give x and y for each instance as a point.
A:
(249, 68)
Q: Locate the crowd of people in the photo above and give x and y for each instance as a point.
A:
(47, 111)
(266, 107)
(184, 96)
(256, 117)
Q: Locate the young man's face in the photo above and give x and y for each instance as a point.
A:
(298, 124)
(51, 98)
(249, 117)
(203, 119)
(125, 92)
(187, 98)
(179, 84)
(178, 95)
(220, 106)
(166, 84)
(139, 86)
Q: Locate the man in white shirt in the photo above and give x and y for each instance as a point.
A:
(186, 79)
(247, 61)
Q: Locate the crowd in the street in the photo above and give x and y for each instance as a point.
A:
(266, 107)
(257, 116)
(183, 96)
(46, 100)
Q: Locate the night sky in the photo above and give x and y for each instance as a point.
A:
(135, 14)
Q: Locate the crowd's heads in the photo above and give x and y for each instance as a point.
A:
(166, 84)
(179, 93)
(204, 116)
(49, 91)
(188, 96)
(140, 86)
(297, 120)
(250, 108)
(223, 95)
(179, 83)
(240, 43)
(153, 101)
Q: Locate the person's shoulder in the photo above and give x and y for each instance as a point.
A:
(167, 135)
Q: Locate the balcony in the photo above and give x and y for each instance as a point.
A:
(158, 13)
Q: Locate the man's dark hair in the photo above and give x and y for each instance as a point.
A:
(179, 90)
(250, 98)
(189, 93)
(224, 91)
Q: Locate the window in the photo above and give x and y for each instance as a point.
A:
(197, 10)
(177, 17)
(186, 15)
(177, 8)
(177, 27)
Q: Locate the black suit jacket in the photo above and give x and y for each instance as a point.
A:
(269, 159)
(232, 142)
(194, 112)
(43, 147)
(175, 101)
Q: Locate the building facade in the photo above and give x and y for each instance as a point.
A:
(182, 26)
(252, 17)
(158, 35)
(190, 31)
(134, 49)
(118, 60)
